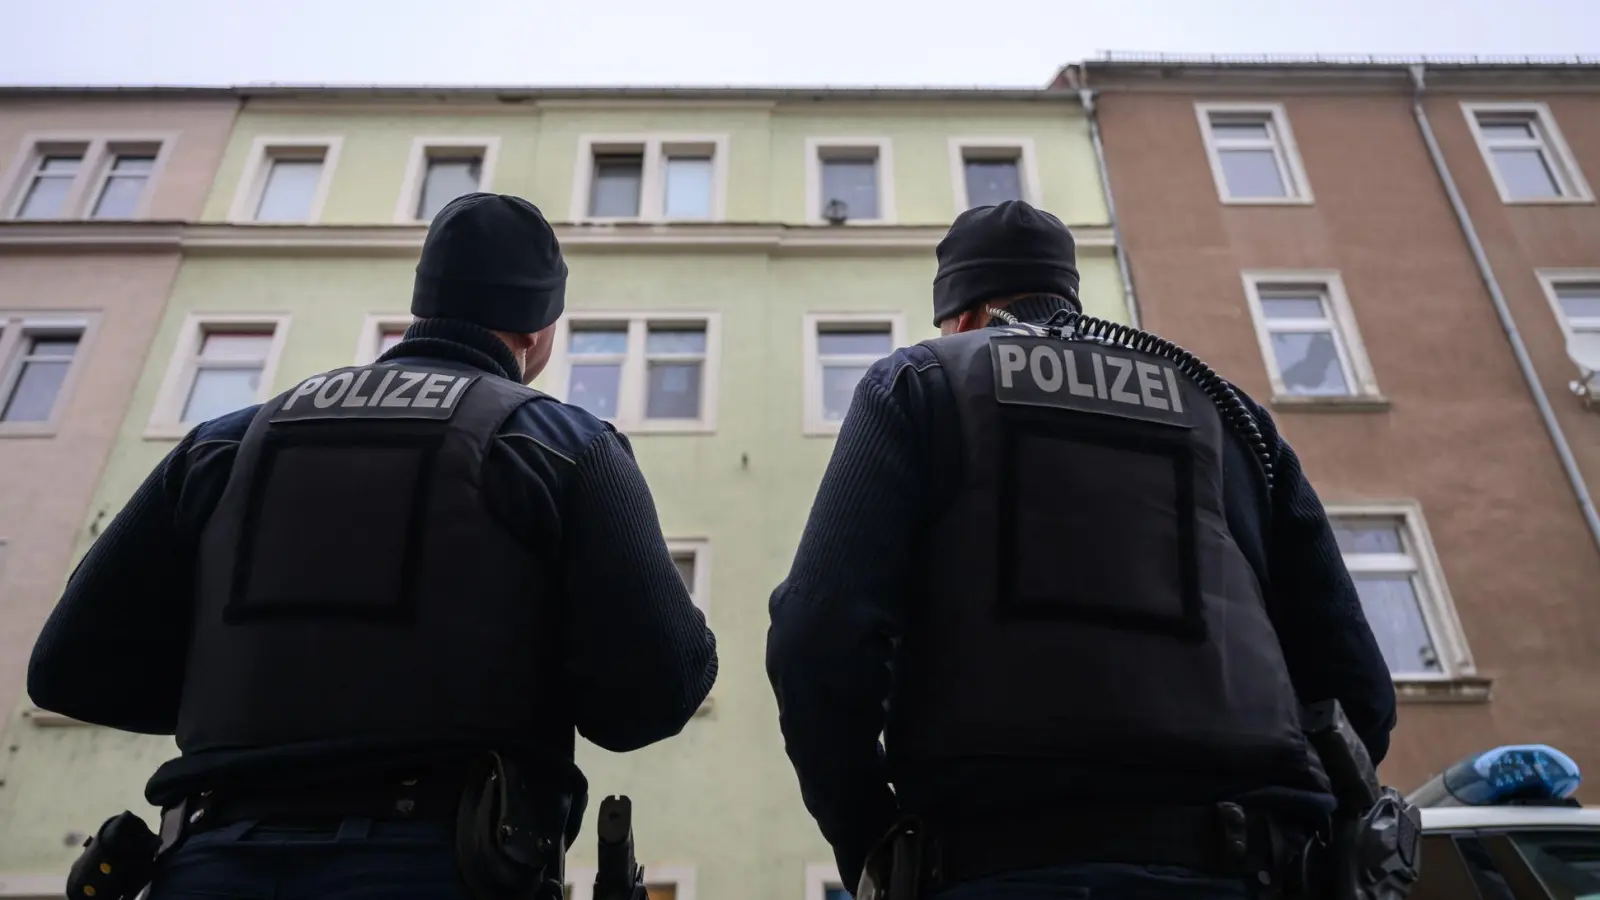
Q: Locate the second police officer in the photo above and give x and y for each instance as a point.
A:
(1080, 585)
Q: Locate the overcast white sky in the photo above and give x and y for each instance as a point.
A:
(719, 42)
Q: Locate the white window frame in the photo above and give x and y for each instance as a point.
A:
(1287, 152)
(820, 877)
(1438, 607)
(1027, 165)
(632, 392)
(700, 549)
(655, 147)
(1346, 334)
(165, 417)
(253, 180)
(99, 150)
(817, 147)
(371, 336)
(15, 327)
(1563, 165)
(424, 149)
(815, 423)
(681, 877)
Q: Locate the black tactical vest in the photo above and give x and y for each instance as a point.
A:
(352, 583)
(1084, 600)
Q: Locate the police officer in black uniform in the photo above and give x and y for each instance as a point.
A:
(1080, 585)
(344, 600)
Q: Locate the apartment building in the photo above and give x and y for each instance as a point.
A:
(738, 257)
(92, 188)
(1290, 223)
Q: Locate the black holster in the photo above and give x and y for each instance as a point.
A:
(117, 862)
(511, 840)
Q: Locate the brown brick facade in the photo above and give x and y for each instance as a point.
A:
(1456, 430)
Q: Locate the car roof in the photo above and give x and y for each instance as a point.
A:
(1450, 818)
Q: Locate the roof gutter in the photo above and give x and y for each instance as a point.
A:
(1563, 450)
(1086, 96)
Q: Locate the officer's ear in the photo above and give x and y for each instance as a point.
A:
(537, 355)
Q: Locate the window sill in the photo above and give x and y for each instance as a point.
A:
(28, 430)
(43, 718)
(634, 428)
(165, 431)
(1549, 201)
(849, 223)
(1459, 689)
(1357, 403)
(1267, 201)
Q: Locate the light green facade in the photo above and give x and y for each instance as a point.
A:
(721, 797)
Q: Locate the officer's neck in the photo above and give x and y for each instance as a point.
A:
(1034, 310)
(458, 341)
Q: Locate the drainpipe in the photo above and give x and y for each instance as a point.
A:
(1087, 97)
(1535, 387)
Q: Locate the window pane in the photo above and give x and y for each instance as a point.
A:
(854, 343)
(446, 180)
(1368, 536)
(217, 392)
(835, 893)
(688, 188)
(388, 339)
(291, 186)
(992, 181)
(838, 386)
(674, 391)
(235, 345)
(46, 199)
(1525, 173)
(133, 165)
(1395, 613)
(34, 395)
(598, 340)
(1503, 130)
(120, 197)
(854, 181)
(53, 346)
(1579, 301)
(1237, 130)
(1567, 862)
(1252, 173)
(1485, 874)
(1307, 306)
(685, 564)
(594, 387)
(1309, 363)
(60, 165)
(666, 340)
(616, 186)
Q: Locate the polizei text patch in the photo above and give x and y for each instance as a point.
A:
(375, 392)
(1044, 371)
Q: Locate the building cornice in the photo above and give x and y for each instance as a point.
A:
(1319, 75)
(218, 239)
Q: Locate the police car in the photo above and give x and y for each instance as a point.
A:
(1502, 825)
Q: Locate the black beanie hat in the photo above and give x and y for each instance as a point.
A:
(492, 260)
(1000, 251)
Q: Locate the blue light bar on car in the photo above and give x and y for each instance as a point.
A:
(1517, 774)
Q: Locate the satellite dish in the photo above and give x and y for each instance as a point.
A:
(1584, 349)
(836, 212)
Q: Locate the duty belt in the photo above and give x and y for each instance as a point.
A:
(434, 796)
(1223, 839)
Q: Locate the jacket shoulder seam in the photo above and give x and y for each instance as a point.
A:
(538, 443)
